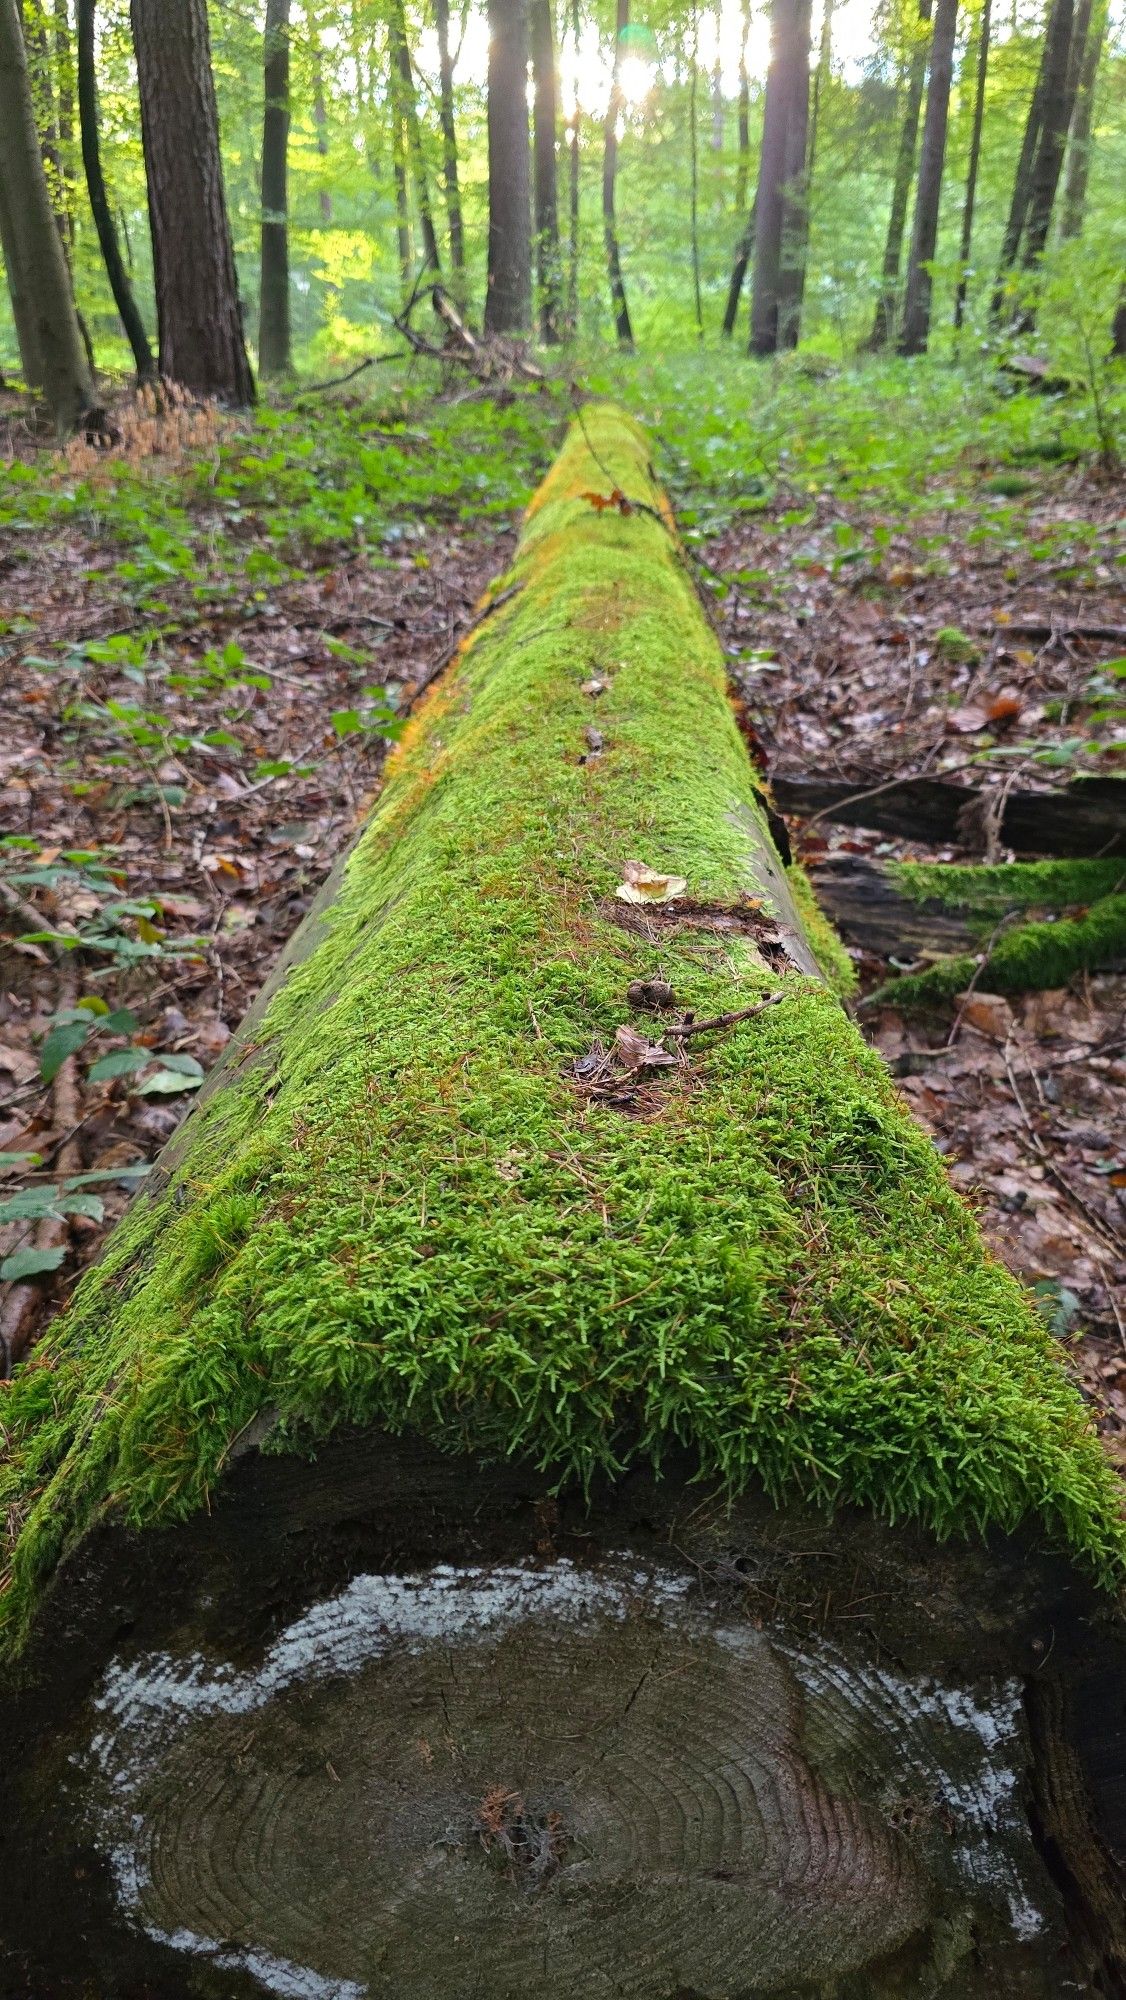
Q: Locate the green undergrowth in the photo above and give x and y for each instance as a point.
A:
(400, 1207)
(1028, 959)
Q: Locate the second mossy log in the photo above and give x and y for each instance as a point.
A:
(420, 1578)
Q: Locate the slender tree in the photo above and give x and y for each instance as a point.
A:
(574, 189)
(545, 124)
(449, 148)
(65, 101)
(694, 168)
(33, 250)
(795, 194)
(928, 194)
(1058, 75)
(197, 302)
(401, 58)
(773, 210)
(746, 243)
(1079, 148)
(400, 152)
(508, 301)
(23, 313)
(100, 209)
(614, 110)
(974, 161)
(1118, 337)
(1055, 49)
(320, 114)
(274, 355)
(883, 325)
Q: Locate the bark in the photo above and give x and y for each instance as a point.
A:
(717, 84)
(743, 170)
(23, 314)
(966, 247)
(1118, 337)
(549, 271)
(401, 57)
(449, 149)
(887, 305)
(100, 209)
(400, 153)
(197, 301)
(872, 910)
(346, 1697)
(1079, 148)
(65, 77)
(744, 251)
(614, 109)
(694, 170)
(320, 119)
(1055, 117)
(274, 350)
(508, 300)
(774, 159)
(1030, 147)
(574, 193)
(1084, 819)
(928, 194)
(795, 211)
(33, 250)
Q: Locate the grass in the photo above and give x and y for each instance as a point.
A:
(401, 1210)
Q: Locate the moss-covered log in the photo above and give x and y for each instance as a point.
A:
(421, 1579)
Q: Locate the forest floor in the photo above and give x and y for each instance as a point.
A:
(208, 633)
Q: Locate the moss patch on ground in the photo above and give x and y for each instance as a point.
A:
(985, 894)
(1027, 959)
(401, 1208)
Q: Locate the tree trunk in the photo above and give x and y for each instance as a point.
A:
(1118, 337)
(508, 301)
(33, 250)
(745, 246)
(574, 193)
(795, 209)
(614, 110)
(449, 149)
(974, 162)
(64, 72)
(1087, 817)
(928, 194)
(1055, 117)
(1079, 150)
(395, 1599)
(400, 149)
(320, 118)
(197, 301)
(401, 57)
(694, 169)
(23, 312)
(1030, 144)
(274, 353)
(770, 200)
(100, 209)
(549, 274)
(887, 305)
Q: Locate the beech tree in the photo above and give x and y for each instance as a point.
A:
(795, 193)
(508, 299)
(781, 178)
(545, 113)
(614, 109)
(887, 303)
(1079, 145)
(408, 102)
(974, 161)
(197, 302)
(449, 148)
(52, 349)
(1059, 76)
(928, 193)
(274, 357)
(123, 295)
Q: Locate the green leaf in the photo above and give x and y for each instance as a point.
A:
(30, 1263)
(119, 1062)
(121, 1022)
(58, 1044)
(167, 1083)
(347, 722)
(83, 1204)
(136, 1172)
(182, 1065)
(20, 1159)
(30, 1205)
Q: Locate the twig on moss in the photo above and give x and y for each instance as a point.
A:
(682, 1029)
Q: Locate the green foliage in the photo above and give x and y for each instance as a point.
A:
(405, 1209)
(1023, 960)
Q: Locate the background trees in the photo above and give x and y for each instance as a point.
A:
(405, 148)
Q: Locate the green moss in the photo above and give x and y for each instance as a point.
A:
(1026, 960)
(403, 1211)
(984, 894)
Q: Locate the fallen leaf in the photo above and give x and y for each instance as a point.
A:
(638, 1052)
(648, 885)
(1004, 707)
(969, 720)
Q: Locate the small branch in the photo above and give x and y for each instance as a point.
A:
(682, 1029)
(337, 381)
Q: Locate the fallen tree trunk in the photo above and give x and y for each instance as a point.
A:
(904, 910)
(1087, 817)
(419, 1577)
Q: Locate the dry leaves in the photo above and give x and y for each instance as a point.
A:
(648, 885)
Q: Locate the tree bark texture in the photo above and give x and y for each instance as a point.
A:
(770, 198)
(508, 299)
(1055, 117)
(33, 249)
(614, 109)
(928, 194)
(274, 352)
(970, 200)
(314, 1708)
(694, 169)
(197, 300)
(545, 121)
(23, 315)
(574, 191)
(1030, 142)
(449, 149)
(887, 305)
(1079, 146)
(100, 209)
